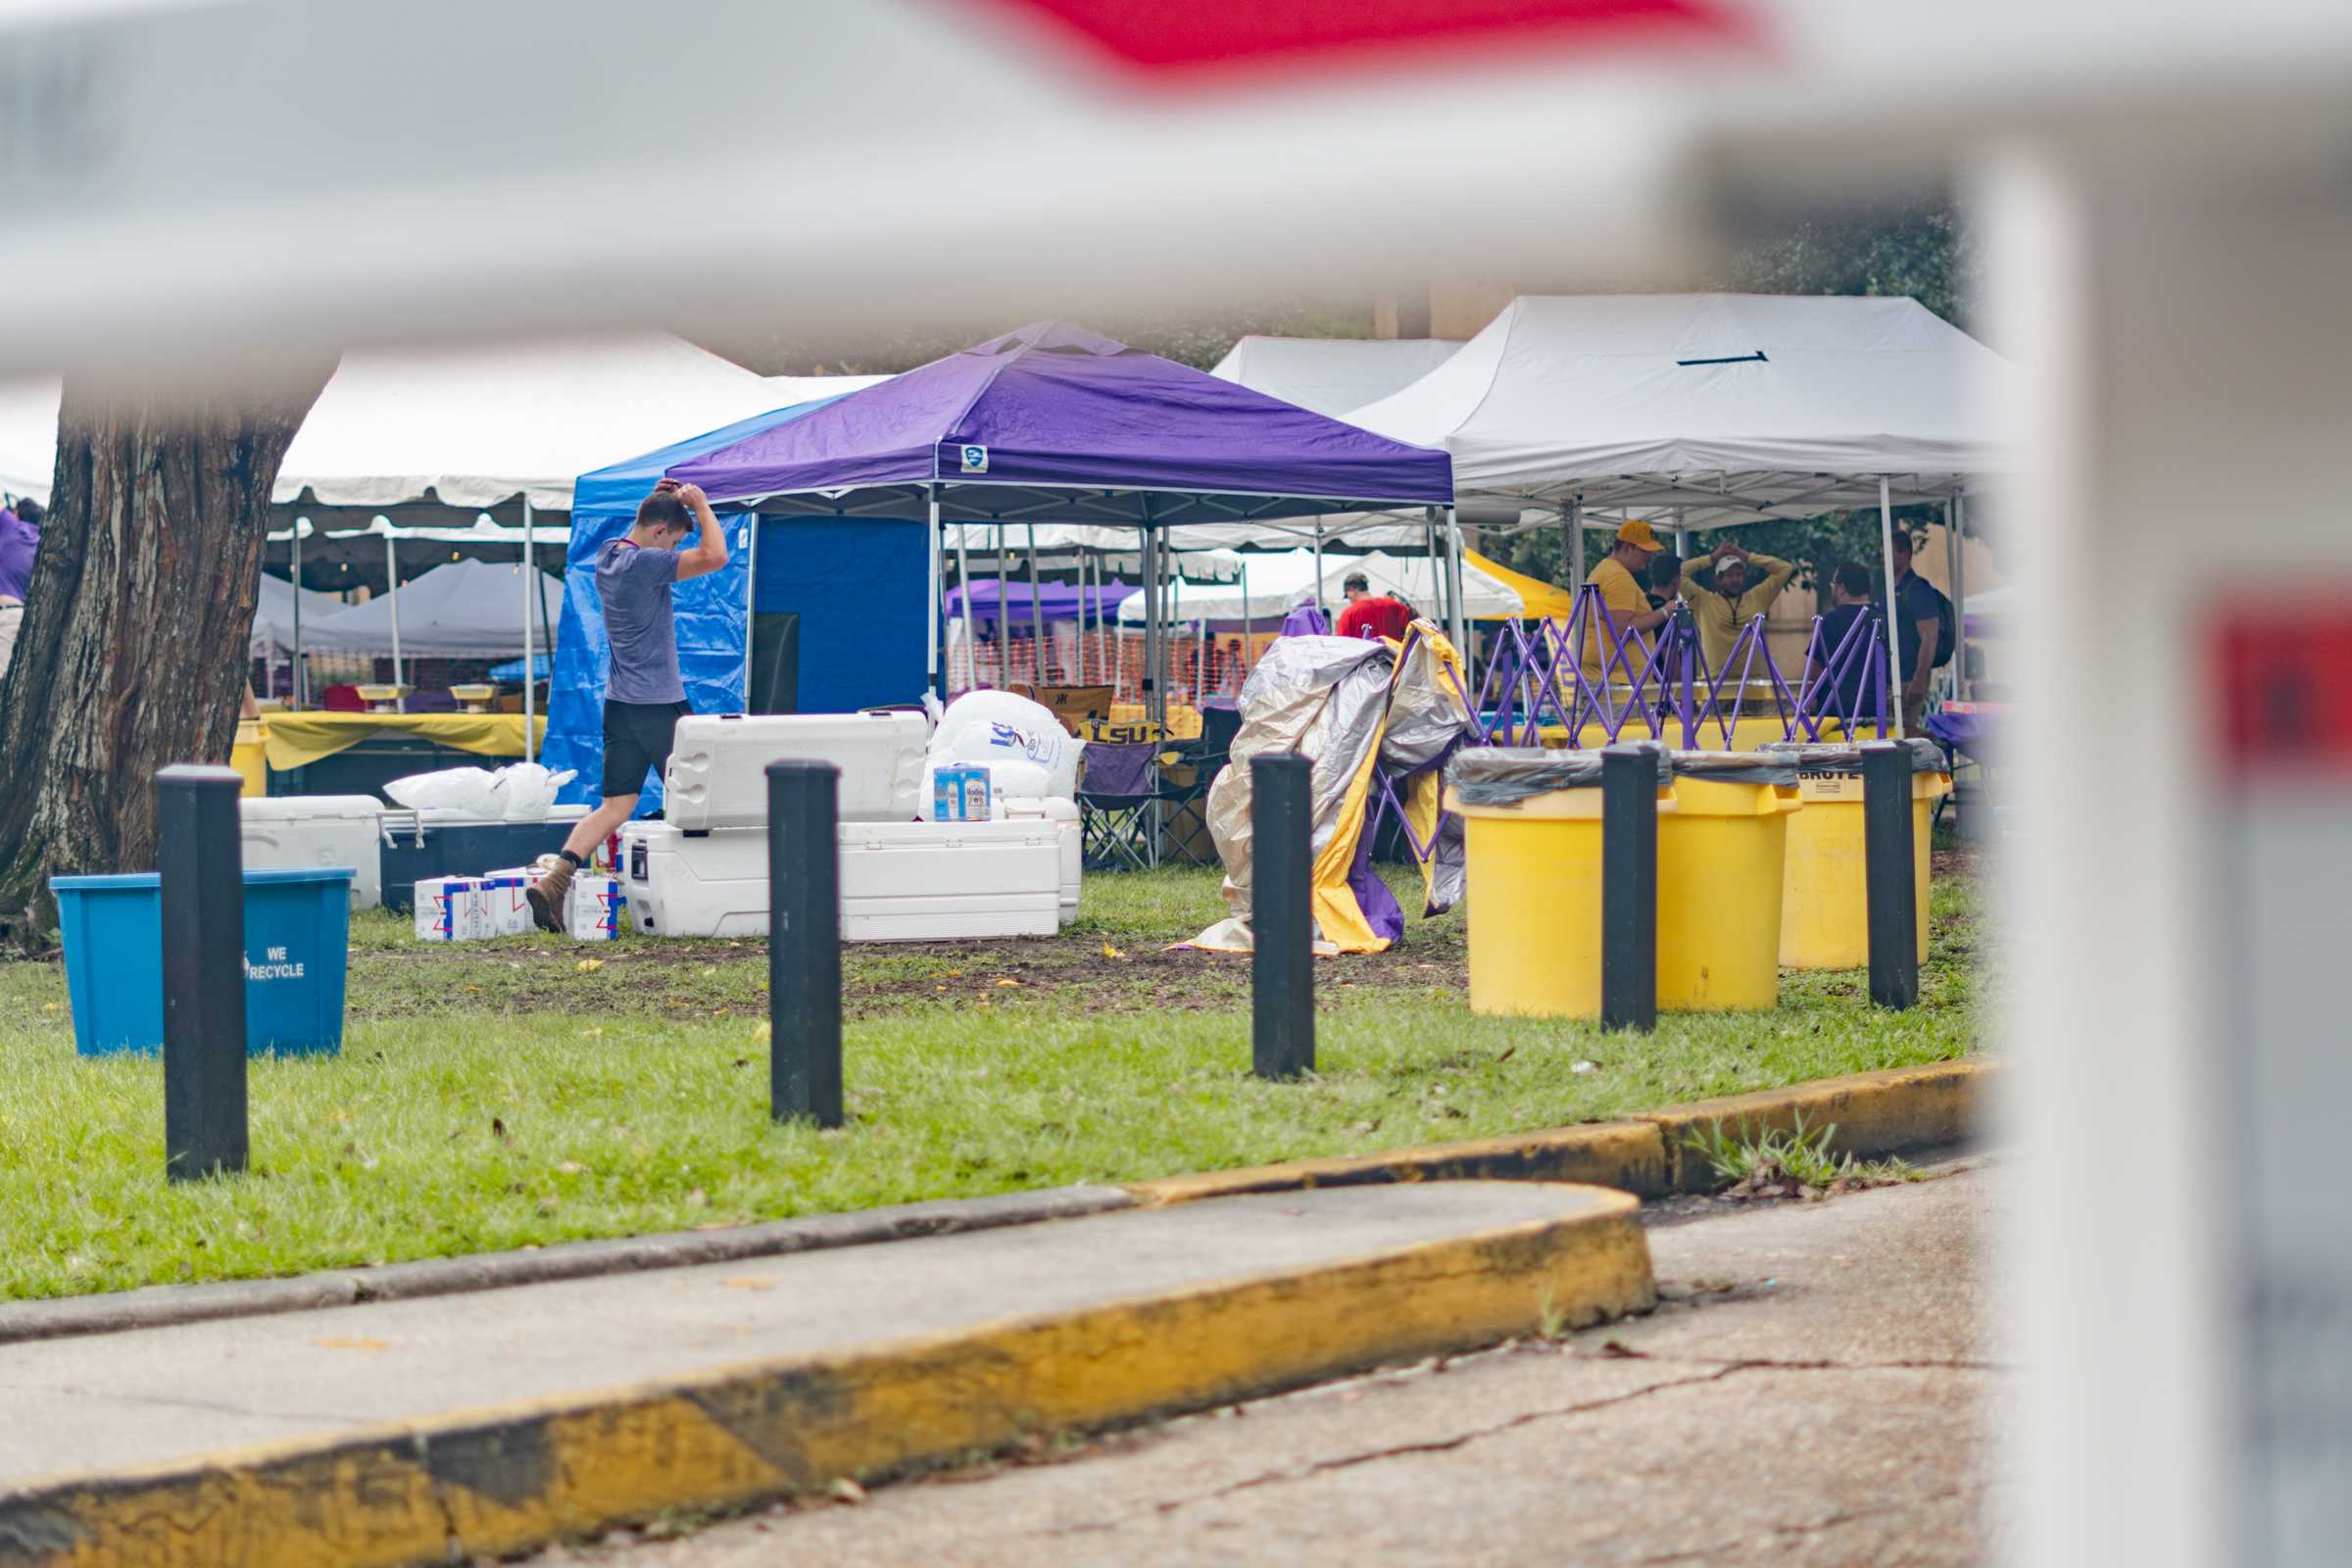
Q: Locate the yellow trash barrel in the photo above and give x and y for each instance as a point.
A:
(1533, 879)
(1825, 892)
(1721, 849)
(1533, 886)
(247, 755)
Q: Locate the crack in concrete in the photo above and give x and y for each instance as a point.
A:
(1723, 1551)
(1768, 1363)
(1403, 1449)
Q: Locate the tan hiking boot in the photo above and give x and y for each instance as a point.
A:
(547, 894)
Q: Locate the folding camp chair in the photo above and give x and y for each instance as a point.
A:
(1185, 781)
(1118, 800)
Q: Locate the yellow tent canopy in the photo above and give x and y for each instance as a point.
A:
(1538, 599)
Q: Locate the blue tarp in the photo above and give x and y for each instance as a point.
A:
(510, 673)
(709, 612)
(857, 585)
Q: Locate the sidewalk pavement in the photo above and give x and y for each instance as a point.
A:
(403, 1431)
(1815, 1389)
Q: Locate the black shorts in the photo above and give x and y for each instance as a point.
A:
(637, 740)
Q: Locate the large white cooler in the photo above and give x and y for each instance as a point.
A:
(717, 773)
(900, 881)
(304, 832)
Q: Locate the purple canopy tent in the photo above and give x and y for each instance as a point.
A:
(1052, 424)
(1052, 601)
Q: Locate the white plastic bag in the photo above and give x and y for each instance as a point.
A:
(473, 791)
(529, 790)
(993, 727)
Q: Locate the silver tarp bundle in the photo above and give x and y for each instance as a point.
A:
(1376, 719)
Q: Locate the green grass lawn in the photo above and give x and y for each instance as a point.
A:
(504, 1095)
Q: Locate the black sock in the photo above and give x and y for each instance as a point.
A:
(575, 860)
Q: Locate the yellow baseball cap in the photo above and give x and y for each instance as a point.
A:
(1637, 533)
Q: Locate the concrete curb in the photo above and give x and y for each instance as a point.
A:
(501, 1480)
(1876, 1114)
(157, 1306)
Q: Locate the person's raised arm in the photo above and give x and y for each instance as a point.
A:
(709, 552)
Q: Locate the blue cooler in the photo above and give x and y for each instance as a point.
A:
(297, 947)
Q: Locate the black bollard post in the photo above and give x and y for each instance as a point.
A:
(1889, 874)
(803, 942)
(1629, 887)
(201, 860)
(1282, 961)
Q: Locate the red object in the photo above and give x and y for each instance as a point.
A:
(342, 700)
(1375, 615)
(1203, 35)
(2286, 679)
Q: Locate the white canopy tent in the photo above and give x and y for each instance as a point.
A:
(435, 437)
(425, 438)
(1269, 585)
(1331, 376)
(275, 614)
(1728, 406)
(1705, 410)
(464, 609)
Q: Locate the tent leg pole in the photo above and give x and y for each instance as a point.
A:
(392, 587)
(529, 686)
(1319, 609)
(1454, 591)
(1248, 631)
(1955, 541)
(294, 672)
(1004, 621)
(1037, 620)
(964, 582)
(1896, 676)
(931, 575)
(750, 602)
(1574, 518)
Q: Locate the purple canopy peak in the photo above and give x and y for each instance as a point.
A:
(1053, 424)
(1051, 338)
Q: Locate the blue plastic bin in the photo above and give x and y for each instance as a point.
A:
(297, 943)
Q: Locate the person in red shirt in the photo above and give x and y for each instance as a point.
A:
(1371, 614)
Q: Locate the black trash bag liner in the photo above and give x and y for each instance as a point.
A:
(1817, 758)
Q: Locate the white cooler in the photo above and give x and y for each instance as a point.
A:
(303, 832)
(717, 773)
(900, 881)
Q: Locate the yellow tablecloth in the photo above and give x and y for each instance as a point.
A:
(294, 739)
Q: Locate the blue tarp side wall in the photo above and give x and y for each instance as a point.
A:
(708, 611)
(857, 585)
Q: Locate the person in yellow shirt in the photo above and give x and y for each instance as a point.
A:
(1620, 576)
(1743, 587)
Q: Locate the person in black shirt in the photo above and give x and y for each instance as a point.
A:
(1919, 632)
(1850, 600)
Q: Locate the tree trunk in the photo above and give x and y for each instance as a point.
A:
(132, 653)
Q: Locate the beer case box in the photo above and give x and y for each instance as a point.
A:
(450, 909)
(597, 909)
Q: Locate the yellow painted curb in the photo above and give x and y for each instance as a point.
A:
(1875, 1113)
(500, 1480)
(1624, 1155)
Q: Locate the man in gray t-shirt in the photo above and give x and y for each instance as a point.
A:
(643, 696)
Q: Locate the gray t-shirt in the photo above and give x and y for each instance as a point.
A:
(634, 586)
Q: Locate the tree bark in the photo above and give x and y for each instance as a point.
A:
(132, 652)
